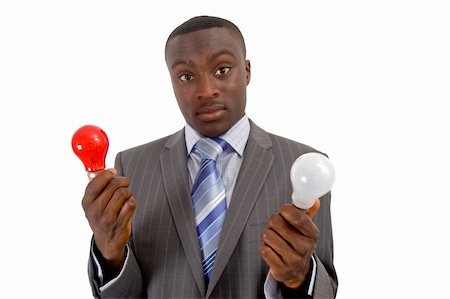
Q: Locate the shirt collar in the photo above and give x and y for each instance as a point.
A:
(236, 136)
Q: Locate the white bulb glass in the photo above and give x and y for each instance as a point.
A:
(312, 176)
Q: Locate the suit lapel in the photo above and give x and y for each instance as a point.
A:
(252, 175)
(176, 183)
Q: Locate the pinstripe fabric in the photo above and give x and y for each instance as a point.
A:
(165, 260)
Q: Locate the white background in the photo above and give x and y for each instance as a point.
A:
(367, 82)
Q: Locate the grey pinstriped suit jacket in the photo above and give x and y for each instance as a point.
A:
(165, 258)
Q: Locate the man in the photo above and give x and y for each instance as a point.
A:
(149, 234)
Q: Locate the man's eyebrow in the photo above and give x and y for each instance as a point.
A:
(182, 61)
(214, 56)
(220, 53)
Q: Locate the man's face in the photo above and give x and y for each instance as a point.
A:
(209, 77)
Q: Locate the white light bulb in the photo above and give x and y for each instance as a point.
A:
(312, 176)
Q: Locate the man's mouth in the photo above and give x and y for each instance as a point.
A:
(211, 113)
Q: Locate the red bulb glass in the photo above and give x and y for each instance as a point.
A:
(90, 143)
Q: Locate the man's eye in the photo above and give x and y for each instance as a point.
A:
(223, 70)
(185, 77)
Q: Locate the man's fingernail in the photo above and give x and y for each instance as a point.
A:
(113, 170)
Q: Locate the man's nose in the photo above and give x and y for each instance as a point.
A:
(206, 88)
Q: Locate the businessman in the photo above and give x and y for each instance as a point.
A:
(206, 212)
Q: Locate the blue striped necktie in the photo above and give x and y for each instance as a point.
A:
(209, 200)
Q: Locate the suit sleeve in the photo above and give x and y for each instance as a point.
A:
(326, 282)
(325, 286)
(127, 285)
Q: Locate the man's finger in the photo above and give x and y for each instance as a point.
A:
(276, 242)
(299, 220)
(119, 197)
(96, 185)
(271, 258)
(290, 236)
(108, 192)
(126, 212)
(313, 210)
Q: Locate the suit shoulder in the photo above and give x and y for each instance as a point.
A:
(148, 149)
(286, 144)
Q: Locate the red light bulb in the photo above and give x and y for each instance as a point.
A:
(90, 143)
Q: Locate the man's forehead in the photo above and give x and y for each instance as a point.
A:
(217, 38)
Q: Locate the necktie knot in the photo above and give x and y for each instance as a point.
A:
(210, 148)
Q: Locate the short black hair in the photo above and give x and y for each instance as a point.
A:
(207, 22)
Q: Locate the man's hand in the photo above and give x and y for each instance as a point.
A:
(108, 206)
(288, 244)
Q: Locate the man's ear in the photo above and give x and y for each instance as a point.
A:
(248, 72)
